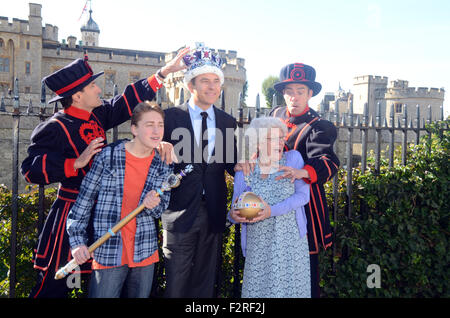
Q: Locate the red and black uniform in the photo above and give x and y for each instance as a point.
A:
(55, 145)
(313, 137)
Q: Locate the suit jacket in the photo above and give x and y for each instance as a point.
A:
(185, 199)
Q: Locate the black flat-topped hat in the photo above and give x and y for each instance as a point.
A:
(70, 79)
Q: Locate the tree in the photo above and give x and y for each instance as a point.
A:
(268, 91)
(244, 94)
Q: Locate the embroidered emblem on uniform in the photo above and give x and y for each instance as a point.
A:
(91, 130)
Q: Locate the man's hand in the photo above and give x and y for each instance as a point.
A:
(247, 166)
(151, 200)
(81, 254)
(94, 147)
(293, 173)
(166, 152)
(176, 64)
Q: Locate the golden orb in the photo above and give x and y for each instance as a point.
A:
(248, 204)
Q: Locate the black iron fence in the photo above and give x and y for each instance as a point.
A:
(348, 125)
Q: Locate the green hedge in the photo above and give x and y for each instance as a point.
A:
(400, 222)
(26, 238)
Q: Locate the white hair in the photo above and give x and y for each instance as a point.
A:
(190, 74)
(259, 129)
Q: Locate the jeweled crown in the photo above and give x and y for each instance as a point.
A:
(201, 56)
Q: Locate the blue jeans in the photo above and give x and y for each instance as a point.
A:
(108, 283)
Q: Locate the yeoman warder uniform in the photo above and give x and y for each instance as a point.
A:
(313, 137)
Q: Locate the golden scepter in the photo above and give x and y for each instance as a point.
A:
(172, 181)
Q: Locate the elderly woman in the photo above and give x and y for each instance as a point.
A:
(274, 243)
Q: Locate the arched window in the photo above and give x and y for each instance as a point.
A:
(4, 64)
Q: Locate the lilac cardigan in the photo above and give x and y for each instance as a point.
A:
(294, 202)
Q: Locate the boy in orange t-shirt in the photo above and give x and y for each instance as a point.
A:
(123, 177)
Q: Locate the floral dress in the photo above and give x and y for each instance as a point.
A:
(277, 259)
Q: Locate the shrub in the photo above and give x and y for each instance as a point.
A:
(400, 221)
(26, 238)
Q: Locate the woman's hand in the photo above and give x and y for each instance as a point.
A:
(263, 214)
(236, 216)
(292, 173)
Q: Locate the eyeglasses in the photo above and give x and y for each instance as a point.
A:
(279, 138)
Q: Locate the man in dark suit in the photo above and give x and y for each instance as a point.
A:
(202, 135)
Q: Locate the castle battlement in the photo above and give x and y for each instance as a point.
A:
(17, 25)
(415, 92)
(50, 32)
(364, 79)
(230, 57)
(399, 89)
(33, 26)
(71, 50)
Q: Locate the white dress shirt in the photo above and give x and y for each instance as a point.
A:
(196, 120)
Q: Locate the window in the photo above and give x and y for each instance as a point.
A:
(27, 89)
(4, 64)
(398, 107)
(28, 45)
(27, 68)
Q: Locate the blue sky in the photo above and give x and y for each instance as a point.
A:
(407, 40)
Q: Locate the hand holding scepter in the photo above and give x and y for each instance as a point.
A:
(172, 181)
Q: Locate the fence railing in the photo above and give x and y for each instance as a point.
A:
(346, 125)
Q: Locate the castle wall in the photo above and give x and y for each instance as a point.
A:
(27, 41)
(412, 96)
(39, 47)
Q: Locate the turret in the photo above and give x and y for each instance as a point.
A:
(90, 31)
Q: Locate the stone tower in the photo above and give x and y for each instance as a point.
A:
(367, 89)
(90, 31)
